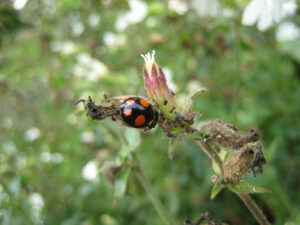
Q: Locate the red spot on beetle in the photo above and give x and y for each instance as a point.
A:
(139, 120)
(130, 102)
(127, 112)
(144, 103)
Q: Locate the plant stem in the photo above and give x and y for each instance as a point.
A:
(163, 213)
(16, 203)
(208, 150)
(237, 62)
(254, 209)
(212, 154)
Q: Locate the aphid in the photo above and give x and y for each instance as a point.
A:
(172, 110)
(139, 113)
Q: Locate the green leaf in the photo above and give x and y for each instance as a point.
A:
(224, 153)
(121, 184)
(156, 8)
(7, 215)
(133, 139)
(124, 153)
(290, 48)
(216, 190)
(216, 168)
(190, 100)
(15, 186)
(245, 187)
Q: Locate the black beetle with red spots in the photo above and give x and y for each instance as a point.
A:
(139, 113)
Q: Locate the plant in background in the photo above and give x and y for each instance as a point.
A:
(233, 153)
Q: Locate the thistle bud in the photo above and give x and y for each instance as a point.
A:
(156, 85)
(172, 117)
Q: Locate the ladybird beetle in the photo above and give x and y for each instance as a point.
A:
(139, 113)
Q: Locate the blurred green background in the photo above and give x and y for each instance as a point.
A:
(53, 53)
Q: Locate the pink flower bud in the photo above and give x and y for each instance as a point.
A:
(155, 82)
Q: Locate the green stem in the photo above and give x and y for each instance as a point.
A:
(254, 209)
(237, 62)
(15, 202)
(212, 154)
(208, 150)
(163, 213)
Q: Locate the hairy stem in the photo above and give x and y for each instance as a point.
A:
(254, 209)
(212, 154)
(208, 150)
(163, 213)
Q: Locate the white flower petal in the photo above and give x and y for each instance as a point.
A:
(178, 6)
(276, 9)
(87, 137)
(287, 31)
(19, 4)
(32, 134)
(90, 171)
(264, 21)
(138, 11)
(37, 204)
(267, 12)
(251, 12)
(93, 20)
(207, 7)
(45, 157)
(289, 8)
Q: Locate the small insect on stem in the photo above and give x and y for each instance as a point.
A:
(105, 96)
(172, 110)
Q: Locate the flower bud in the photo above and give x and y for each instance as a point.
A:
(172, 117)
(156, 85)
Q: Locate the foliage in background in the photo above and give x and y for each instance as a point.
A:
(54, 52)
